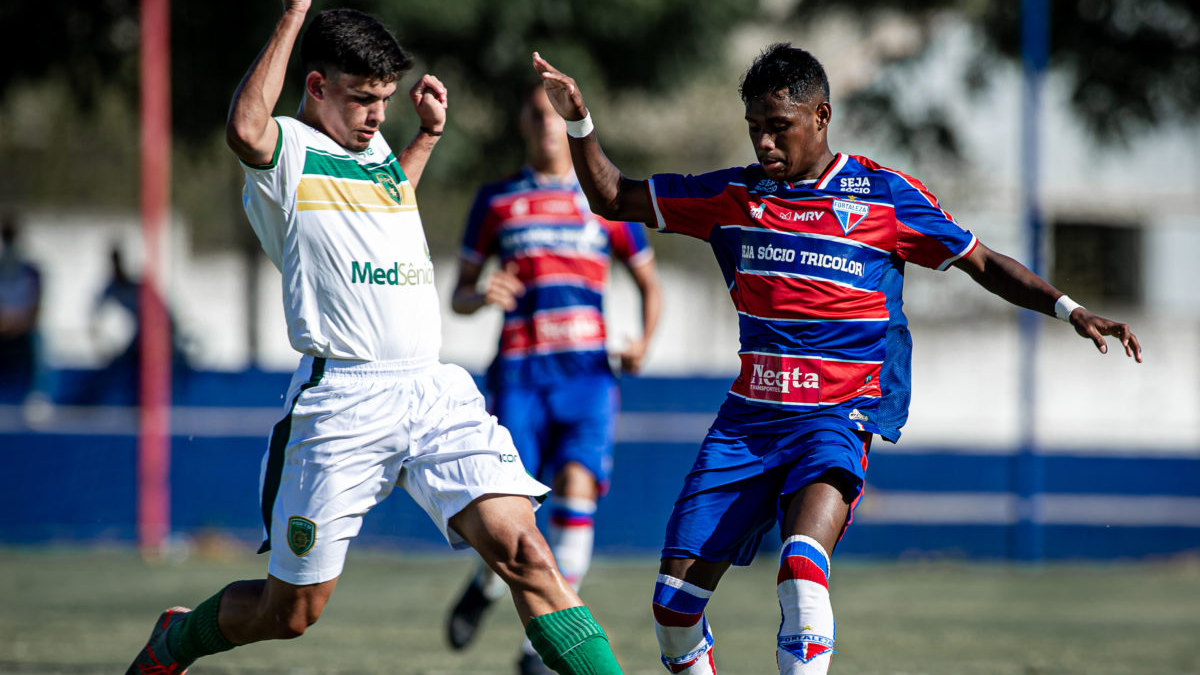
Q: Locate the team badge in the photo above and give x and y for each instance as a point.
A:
(386, 181)
(301, 535)
(756, 212)
(806, 646)
(766, 186)
(849, 213)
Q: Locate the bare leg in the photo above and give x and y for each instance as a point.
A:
(271, 609)
(502, 529)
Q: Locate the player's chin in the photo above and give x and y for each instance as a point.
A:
(361, 140)
(775, 170)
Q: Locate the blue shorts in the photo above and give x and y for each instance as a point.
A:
(572, 420)
(733, 494)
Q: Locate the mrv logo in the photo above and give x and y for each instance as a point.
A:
(399, 274)
(782, 381)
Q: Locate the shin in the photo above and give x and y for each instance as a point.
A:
(684, 638)
(806, 631)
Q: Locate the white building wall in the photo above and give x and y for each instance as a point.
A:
(967, 351)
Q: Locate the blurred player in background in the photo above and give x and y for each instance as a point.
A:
(812, 245)
(20, 305)
(370, 406)
(551, 383)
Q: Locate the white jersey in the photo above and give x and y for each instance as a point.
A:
(344, 230)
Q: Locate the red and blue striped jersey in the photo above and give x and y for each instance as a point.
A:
(815, 270)
(562, 252)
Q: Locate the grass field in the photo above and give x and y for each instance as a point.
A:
(71, 611)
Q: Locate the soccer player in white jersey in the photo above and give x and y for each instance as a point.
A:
(370, 407)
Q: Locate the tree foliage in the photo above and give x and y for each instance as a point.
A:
(1130, 65)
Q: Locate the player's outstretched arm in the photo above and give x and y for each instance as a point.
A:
(1014, 282)
(430, 100)
(249, 130)
(610, 194)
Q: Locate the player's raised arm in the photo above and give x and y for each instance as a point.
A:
(610, 194)
(1014, 282)
(249, 130)
(430, 100)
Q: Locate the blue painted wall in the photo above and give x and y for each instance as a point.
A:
(67, 483)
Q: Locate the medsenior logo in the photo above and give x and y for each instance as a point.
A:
(399, 274)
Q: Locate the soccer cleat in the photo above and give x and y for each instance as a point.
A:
(466, 616)
(532, 664)
(155, 658)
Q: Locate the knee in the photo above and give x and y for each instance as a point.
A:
(526, 561)
(293, 622)
(288, 618)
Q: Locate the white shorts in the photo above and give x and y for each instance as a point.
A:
(357, 429)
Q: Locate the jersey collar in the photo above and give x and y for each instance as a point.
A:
(839, 162)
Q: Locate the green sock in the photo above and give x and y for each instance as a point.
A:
(198, 634)
(572, 643)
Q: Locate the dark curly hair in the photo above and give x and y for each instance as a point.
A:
(353, 43)
(784, 67)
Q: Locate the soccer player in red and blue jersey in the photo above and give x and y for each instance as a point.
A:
(812, 245)
(551, 383)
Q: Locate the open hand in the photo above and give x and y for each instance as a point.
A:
(563, 92)
(1095, 327)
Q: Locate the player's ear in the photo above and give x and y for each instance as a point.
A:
(314, 85)
(823, 113)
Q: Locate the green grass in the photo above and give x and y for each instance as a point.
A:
(83, 612)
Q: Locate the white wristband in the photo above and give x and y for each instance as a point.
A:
(1064, 306)
(580, 128)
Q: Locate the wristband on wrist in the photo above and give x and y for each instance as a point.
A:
(1064, 306)
(580, 128)
(431, 132)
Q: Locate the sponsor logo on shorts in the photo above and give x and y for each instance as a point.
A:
(508, 458)
(301, 535)
(858, 416)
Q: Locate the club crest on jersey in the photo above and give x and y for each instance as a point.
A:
(756, 212)
(766, 186)
(388, 183)
(849, 213)
(301, 535)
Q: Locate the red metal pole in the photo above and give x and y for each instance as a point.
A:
(153, 502)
